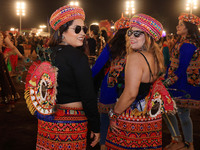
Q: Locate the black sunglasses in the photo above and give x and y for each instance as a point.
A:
(136, 33)
(77, 29)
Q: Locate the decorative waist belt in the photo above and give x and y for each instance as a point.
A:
(62, 111)
(62, 114)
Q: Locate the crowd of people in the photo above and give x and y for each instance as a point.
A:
(105, 84)
(12, 49)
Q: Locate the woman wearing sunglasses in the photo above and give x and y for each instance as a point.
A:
(130, 126)
(183, 75)
(75, 99)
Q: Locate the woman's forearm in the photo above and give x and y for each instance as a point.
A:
(125, 100)
(11, 46)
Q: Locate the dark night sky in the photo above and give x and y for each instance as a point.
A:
(37, 12)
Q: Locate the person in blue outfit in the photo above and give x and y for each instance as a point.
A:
(183, 78)
(112, 61)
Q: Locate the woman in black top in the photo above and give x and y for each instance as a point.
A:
(76, 100)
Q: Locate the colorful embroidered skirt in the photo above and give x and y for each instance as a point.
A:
(68, 130)
(187, 103)
(142, 132)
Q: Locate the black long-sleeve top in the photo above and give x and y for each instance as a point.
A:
(75, 82)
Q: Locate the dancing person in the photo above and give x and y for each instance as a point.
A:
(9, 43)
(112, 62)
(12, 60)
(75, 100)
(183, 76)
(8, 92)
(131, 127)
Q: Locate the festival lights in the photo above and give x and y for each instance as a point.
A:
(42, 26)
(95, 23)
(12, 29)
(164, 33)
(190, 5)
(130, 9)
(74, 3)
(20, 12)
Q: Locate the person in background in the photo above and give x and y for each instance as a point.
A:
(20, 42)
(46, 41)
(9, 43)
(111, 63)
(183, 75)
(93, 40)
(33, 42)
(8, 91)
(12, 38)
(92, 44)
(12, 59)
(130, 126)
(40, 41)
(165, 51)
(104, 39)
(76, 100)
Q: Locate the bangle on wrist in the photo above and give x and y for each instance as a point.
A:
(112, 115)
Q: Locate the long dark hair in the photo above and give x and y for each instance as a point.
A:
(118, 43)
(56, 38)
(94, 28)
(104, 34)
(96, 32)
(193, 31)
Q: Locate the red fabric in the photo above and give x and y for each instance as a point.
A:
(158, 87)
(14, 61)
(165, 45)
(13, 58)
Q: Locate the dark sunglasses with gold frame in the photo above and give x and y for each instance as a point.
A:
(136, 33)
(78, 29)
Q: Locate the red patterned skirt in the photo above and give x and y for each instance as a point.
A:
(136, 132)
(68, 130)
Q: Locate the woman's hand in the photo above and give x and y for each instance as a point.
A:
(96, 137)
(114, 127)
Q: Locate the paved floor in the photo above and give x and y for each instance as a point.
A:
(18, 129)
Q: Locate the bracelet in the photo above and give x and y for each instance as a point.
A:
(112, 115)
(167, 82)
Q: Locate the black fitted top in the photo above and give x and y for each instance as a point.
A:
(75, 83)
(144, 87)
(143, 90)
